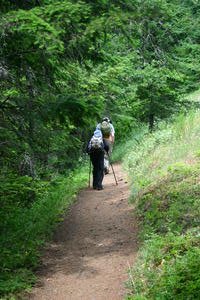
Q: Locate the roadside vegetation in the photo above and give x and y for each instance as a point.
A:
(63, 66)
(164, 173)
(28, 226)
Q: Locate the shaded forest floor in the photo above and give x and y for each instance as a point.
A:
(92, 248)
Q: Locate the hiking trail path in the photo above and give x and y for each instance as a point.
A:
(93, 247)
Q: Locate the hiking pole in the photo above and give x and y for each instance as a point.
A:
(89, 174)
(112, 169)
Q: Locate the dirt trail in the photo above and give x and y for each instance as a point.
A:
(93, 248)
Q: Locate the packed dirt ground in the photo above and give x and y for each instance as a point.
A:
(93, 248)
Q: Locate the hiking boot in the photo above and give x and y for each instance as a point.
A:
(99, 188)
(106, 171)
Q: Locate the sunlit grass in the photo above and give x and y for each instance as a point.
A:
(150, 159)
(164, 171)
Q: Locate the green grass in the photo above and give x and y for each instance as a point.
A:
(194, 97)
(167, 268)
(164, 170)
(26, 229)
(130, 142)
(149, 160)
(171, 204)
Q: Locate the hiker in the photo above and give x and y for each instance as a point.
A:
(108, 129)
(108, 133)
(96, 148)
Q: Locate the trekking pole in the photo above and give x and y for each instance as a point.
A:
(112, 169)
(89, 174)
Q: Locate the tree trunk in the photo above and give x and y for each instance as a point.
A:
(151, 122)
(29, 78)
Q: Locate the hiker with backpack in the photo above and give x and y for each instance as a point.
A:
(108, 133)
(107, 129)
(96, 148)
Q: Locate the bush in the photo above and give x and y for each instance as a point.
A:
(20, 191)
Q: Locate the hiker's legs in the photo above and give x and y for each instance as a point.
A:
(106, 163)
(100, 173)
(107, 155)
(94, 170)
(98, 169)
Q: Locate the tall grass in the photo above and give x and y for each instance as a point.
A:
(129, 142)
(164, 172)
(175, 143)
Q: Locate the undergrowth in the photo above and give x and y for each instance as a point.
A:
(168, 267)
(26, 228)
(165, 173)
(131, 141)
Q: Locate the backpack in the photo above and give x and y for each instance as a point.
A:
(105, 129)
(96, 144)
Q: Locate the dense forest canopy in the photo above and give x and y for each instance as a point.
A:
(65, 64)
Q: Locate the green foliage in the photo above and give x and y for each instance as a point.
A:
(171, 144)
(25, 229)
(156, 93)
(168, 268)
(65, 64)
(172, 204)
(164, 170)
(128, 140)
(19, 191)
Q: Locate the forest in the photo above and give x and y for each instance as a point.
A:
(64, 65)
